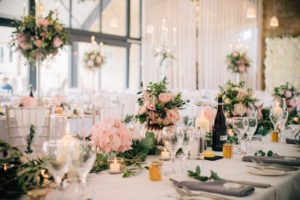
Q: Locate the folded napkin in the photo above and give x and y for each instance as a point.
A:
(216, 187)
(292, 141)
(290, 161)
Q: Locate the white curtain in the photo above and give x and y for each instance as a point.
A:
(222, 23)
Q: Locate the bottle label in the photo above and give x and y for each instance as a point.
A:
(223, 137)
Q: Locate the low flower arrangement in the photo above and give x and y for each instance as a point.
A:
(93, 59)
(111, 135)
(238, 62)
(37, 39)
(237, 98)
(158, 107)
(292, 96)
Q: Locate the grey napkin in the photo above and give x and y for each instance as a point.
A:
(294, 161)
(216, 187)
(292, 141)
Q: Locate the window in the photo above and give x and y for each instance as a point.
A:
(62, 7)
(86, 15)
(114, 17)
(12, 9)
(12, 65)
(134, 64)
(135, 18)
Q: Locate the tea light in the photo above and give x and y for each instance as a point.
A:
(5, 167)
(230, 132)
(165, 154)
(115, 166)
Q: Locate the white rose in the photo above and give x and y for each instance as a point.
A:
(239, 109)
(227, 101)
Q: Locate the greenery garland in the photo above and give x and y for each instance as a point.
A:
(29, 139)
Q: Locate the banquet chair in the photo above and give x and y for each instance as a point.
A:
(19, 121)
(115, 111)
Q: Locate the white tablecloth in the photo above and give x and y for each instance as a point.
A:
(114, 187)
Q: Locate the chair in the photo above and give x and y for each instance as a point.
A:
(19, 121)
(115, 111)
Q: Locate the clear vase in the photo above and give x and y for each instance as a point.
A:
(154, 129)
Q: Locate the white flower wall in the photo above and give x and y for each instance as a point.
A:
(282, 62)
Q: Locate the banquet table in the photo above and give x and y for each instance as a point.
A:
(114, 187)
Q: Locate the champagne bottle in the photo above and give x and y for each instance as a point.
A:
(219, 135)
(31, 93)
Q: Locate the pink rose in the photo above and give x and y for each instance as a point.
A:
(242, 68)
(235, 54)
(28, 102)
(151, 106)
(165, 97)
(239, 109)
(172, 116)
(43, 22)
(38, 43)
(57, 42)
(288, 94)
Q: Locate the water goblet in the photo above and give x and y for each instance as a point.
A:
(240, 126)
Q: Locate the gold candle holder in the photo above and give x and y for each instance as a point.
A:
(227, 150)
(155, 171)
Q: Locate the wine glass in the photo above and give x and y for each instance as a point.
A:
(56, 159)
(240, 126)
(189, 138)
(83, 156)
(252, 119)
(172, 138)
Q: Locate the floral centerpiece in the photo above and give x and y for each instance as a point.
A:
(238, 62)
(93, 59)
(37, 38)
(237, 98)
(292, 96)
(158, 107)
(111, 135)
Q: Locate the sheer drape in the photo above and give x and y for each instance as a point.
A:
(221, 24)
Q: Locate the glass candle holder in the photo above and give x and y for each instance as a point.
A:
(155, 171)
(115, 165)
(227, 150)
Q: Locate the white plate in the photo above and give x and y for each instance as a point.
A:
(267, 172)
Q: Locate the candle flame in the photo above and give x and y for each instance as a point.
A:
(68, 128)
(5, 167)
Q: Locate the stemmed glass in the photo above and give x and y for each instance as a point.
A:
(276, 116)
(83, 156)
(252, 119)
(240, 126)
(189, 138)
(56, 159)
(172, 138)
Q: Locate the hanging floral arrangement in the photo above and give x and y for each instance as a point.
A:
(38, 38)
(238, 62)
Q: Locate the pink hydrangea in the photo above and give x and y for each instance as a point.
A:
(57, 42)
(111, 135)
(165, 97)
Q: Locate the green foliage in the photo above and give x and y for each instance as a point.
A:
(197, 175)
(100, 164)
(29, 139)
(230, 94)
(140, 149)
(128, 119)
(262, 153)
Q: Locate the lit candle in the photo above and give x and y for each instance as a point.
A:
(24, 9)
(174, 37)
(230, 132)
(277, 110)
(202, 122)
(5, 167)
(115, 166)
(165, 154)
